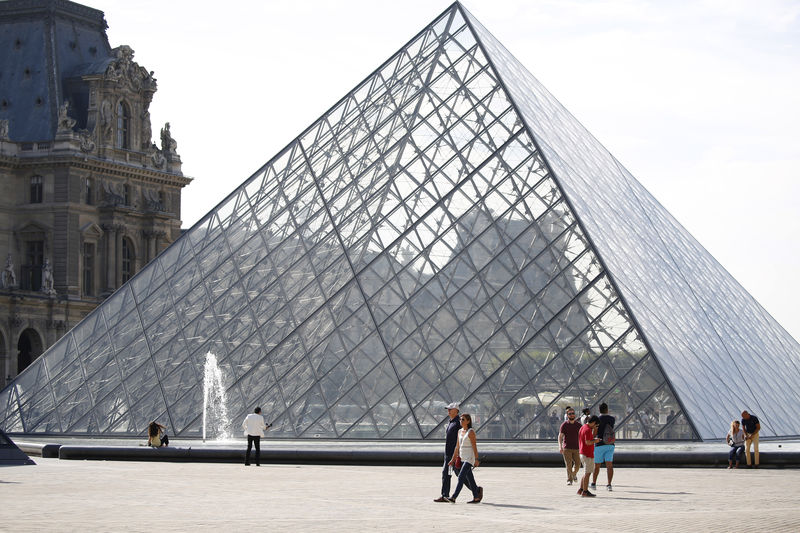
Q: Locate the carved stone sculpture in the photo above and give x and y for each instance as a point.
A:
(4, 129)
(8, 279)
(168, 144)
(65, 122)
(47, 279)
(113, 195)
(106, 119)
(157, 156)
(147, 131)
(152, 201)
(126, 72)
(87, 143)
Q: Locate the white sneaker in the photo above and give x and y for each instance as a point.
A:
(608, 488)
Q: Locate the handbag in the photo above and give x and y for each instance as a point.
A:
(457, 464)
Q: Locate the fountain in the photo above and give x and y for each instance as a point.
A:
(215, 411)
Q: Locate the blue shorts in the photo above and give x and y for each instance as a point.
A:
(604, 453)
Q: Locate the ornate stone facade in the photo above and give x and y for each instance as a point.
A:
(86, 197)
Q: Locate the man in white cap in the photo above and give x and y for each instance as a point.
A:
(451, 432)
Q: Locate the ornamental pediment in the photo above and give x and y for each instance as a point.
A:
(124, 71)
(91, 230)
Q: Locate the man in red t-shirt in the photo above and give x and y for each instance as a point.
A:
(586, 440)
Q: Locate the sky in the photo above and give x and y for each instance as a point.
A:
(698, 99)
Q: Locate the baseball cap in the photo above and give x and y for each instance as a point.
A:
(453, 405)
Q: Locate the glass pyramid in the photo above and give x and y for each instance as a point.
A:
(446, 232)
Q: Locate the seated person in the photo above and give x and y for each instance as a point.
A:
(157, 435)
(735, 439)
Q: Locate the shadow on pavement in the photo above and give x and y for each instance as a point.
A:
(663, 493)
(512, 506)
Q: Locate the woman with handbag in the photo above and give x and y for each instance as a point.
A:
(466, 458)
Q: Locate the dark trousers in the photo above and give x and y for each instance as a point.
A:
(446, 478)
(465, 477)
(253, 439)
(736, 451)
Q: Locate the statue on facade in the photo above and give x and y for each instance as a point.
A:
(152, 200)
(157, 156)
(86, 141)
(147, 131)
(125, 72)
(4, 129)
(8, 278)
(168, 144)
(106, 119)
(65, 122)
(47, 278)
(113, 194)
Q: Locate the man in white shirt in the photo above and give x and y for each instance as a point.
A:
(254, 428)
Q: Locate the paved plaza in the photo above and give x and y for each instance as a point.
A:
(59, 495)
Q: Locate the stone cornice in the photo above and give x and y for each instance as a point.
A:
(104, 166)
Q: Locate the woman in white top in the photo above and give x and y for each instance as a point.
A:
(735, 439)
(467, 451)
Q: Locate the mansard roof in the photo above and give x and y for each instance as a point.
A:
(43, 43)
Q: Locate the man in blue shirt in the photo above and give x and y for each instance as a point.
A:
(451, 436)
(751, 428)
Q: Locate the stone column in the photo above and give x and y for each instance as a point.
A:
(109, 262)
(147, 237)
(159, 236)
(118, 256)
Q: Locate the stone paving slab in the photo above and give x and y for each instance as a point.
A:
(145, 496)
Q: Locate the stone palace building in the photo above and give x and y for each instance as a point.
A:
(86, 197)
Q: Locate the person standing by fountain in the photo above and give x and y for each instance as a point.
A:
(254, 427)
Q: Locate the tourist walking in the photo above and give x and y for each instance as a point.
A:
(254, 427)
(157, 435)
(467, 454)
(751, 428)
(586, 442)
(735, 439)
(585, 416)
(568, 445)
(604, 450)
(450, 443)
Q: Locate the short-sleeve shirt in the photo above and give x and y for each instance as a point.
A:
(605, 420)
(586, 433)
(749, 425)
(570, 432)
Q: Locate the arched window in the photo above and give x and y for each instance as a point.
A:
(123, 126)
(127, 259)
(29, 348)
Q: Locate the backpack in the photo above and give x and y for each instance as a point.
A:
(608, 434)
